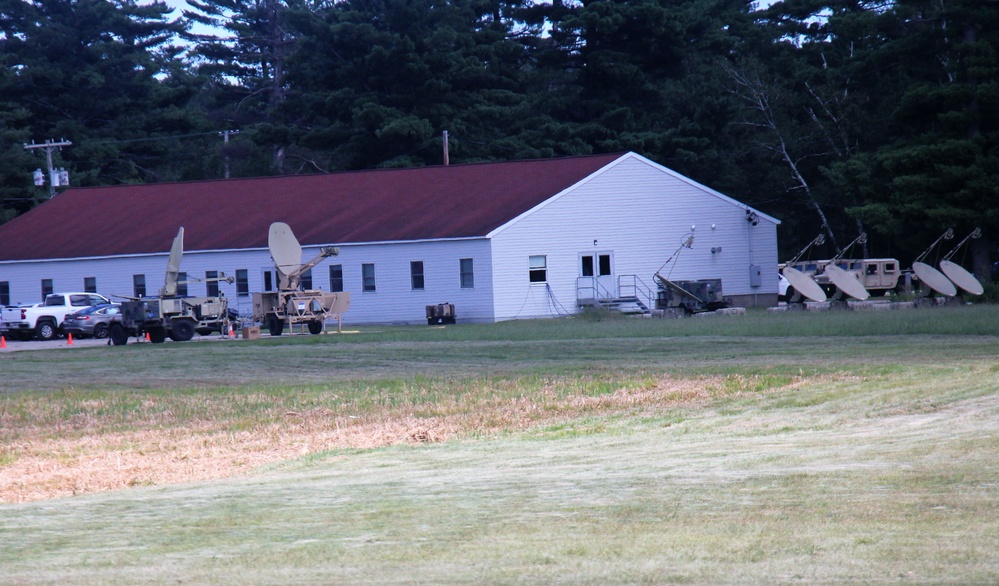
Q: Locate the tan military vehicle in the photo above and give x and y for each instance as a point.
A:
(289, 305)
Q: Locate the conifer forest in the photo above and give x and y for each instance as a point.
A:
(837, 117)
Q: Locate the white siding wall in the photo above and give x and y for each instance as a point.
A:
(393, 301)
(640, 214)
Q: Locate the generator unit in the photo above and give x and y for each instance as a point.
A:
(691, 296)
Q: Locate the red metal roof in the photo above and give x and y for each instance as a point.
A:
(365, 206)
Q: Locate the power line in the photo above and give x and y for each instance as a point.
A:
(152, 138)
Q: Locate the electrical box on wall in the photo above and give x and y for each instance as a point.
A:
(755, 276)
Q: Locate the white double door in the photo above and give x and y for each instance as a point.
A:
(598, 267)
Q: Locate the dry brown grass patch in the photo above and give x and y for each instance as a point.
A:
(83, 456)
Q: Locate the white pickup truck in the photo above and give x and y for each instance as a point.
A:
(43, 321)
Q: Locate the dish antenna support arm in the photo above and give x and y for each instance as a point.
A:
(948, 235)
(290, 280)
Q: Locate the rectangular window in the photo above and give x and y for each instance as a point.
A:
(182, 285)
(305, 281)
(416, 274)
(587, 269)
(46, 288)
(4, 292)
(212, 283)
(466, 276)
(336, 278)
(80, 300)
(90, 284)
(368, 277)
(139, 285)
(538, 269)
(268, 281)
(242, 283)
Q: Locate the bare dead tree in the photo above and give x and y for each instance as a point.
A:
(756, 95)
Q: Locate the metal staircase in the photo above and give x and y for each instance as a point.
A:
(633, 297)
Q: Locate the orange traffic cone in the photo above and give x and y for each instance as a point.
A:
(3, 342)
(69, 340)
(231, 333)
(147, 337)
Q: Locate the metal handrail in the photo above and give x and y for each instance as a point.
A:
(591, 284)
(637, 286)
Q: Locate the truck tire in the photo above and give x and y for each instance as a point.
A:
(182, 330)
(118, 335)
(275, 326)
(315, 327)
(157, 335)
(46, 330)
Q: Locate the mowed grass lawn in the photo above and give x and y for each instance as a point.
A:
(835, 448)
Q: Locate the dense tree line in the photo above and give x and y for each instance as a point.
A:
(836, 116)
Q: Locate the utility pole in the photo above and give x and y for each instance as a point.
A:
(225, 153)
(447, 155)
(56, 178)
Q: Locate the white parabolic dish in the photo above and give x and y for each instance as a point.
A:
(804, 284)
(846, 282)
(285, 249)
(961, 277)
(934, 279)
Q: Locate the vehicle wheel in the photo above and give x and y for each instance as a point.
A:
(315, 327)
(46, 330)
(182, 331)
(101, 331)
(157, 335)
(119, 337)
(274, 325)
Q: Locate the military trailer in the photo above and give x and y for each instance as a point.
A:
(289, 305)
(177, 318)
(690, 296)
(169, 315)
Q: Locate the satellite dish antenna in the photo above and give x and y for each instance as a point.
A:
(846, 282)
(961, 277)
(957, 273)
(285, 250)
(804, 285)
(173, 265)
(934, 279)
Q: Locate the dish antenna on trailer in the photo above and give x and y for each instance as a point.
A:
(804, 285)
(956, 273)
(931, 277)
(288, 305)
(287, 254)
(173, 265)
(846, 282)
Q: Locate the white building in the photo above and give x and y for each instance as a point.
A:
(500, 241)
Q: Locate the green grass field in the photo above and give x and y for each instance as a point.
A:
(835, 448)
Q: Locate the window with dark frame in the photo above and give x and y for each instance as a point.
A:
(90, 284)
(182, 285)
(139, 285)
(242, 283)
(4, 292)
(212, 283)
(538, 268)
(467, 275)
(586, 270)
(368, 277)
(47, 288)
(305, 281)
(268, 281)
(416, 274)
(604, 265)
(336, 278)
